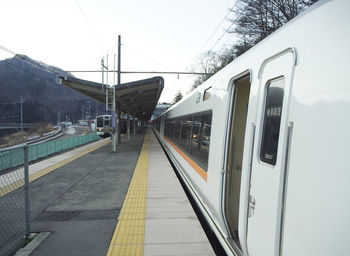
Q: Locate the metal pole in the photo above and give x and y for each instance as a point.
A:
(128, 126)
(118, 82)
(107, 72)
(119, 55)
(26, 189)
(58, 118)
(89, 103)
(21, 101)
(134, 117)
(118, 123)
(102, 70)
(107, 88)
(114, 142)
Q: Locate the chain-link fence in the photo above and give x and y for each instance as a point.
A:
(14, 197)
(13, 158)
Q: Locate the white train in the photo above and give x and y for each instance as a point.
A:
(263, 145)
(103, 125)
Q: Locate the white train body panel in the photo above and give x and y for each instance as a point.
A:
(300, 204)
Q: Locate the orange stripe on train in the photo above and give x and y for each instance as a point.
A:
(195, 166)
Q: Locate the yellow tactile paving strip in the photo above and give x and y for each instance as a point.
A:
(128, 237)
(32, 177)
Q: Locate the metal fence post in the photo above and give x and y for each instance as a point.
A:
(26, 189)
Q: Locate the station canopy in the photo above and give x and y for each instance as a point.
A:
(138, 98)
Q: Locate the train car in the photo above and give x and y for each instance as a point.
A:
(103, 125)
(263, 145)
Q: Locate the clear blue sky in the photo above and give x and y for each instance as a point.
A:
(157, 35)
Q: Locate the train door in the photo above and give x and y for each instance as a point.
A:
(240, 97)
(107, 125)
(268, 167)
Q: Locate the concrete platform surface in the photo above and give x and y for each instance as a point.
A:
(157, 218)
(96, 202)
(172, 227)
(79, 202)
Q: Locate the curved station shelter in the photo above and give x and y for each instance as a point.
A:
(137, 98)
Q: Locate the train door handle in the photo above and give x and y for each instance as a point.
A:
(251, 206)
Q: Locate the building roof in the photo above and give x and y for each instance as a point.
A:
(138, 98)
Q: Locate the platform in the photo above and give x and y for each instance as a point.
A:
(127, 203)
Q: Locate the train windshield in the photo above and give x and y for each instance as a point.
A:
(99, 121)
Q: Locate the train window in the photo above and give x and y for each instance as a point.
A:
(177, 131)
(272, 121)
(99, 121)
(167, 128)
(158, 124)
(172, 127)
(207, 94)
(192, 135)
(201, 139)
(186, 127)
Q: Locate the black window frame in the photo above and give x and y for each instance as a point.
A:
(185, 147)
(269, 136)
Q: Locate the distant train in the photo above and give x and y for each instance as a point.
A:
(103, 124)
(263, 145)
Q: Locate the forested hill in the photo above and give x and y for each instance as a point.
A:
(37, 82)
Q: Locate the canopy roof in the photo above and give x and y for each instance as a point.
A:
(138, 98)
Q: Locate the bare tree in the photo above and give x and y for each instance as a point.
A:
(256, 19)
(178, 96)
(211, 62)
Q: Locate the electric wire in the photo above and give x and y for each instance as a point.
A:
(7, 50)
(15, 55)
(25, 70)
(10, 103)
(226, 31)
(90, 25)
(219, 25)
(146, 57)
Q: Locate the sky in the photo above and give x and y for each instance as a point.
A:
(156, 35)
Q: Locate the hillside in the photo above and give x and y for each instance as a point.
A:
(36, 82)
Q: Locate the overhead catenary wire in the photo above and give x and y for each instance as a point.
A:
(219, 25)
(226, 30)
(17, 56)
(10, 103)
(7, 50)
(140, 72)
(146, 57)
(89, 24)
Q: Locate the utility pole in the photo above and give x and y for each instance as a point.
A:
(89, 110)
(21, 102)
(118, 105)
(114, 138)
(102, 71)
(58, 118)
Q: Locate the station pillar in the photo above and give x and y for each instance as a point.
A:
(118, 130)
(128, 127)
(134, 118)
